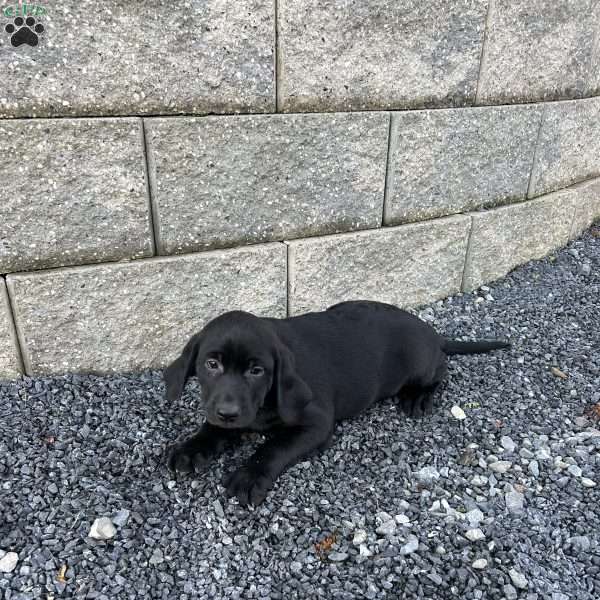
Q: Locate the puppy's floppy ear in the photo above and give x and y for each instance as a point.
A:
(293, 394)
(181, 369)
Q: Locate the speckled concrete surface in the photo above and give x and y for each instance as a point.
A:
(538, 50)
(224, 181)
(351, 55)
(114, 57)
(448, 161)
(569, 146)
(10, 361)
(506, 237)
(408, 265)
(131, 316)
(587, 206)
(73, 191)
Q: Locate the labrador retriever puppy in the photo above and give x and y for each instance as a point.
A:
(293, 378)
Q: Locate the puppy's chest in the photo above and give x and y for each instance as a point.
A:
(266, 418)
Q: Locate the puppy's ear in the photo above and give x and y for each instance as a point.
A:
(181, 369)
(293, 394)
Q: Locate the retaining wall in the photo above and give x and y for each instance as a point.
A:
(394, 151)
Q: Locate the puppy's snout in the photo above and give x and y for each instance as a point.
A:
(228, 413)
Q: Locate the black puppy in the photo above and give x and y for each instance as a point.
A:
(295, 377)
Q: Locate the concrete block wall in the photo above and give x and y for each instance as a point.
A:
(170, 164)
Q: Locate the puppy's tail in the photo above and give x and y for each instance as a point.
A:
(456, 347)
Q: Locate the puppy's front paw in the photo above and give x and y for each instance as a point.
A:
(249, 485)
(183, 460)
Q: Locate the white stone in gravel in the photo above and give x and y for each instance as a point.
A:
(507, 443)
(402, 519)
(518, 579)
(575, 470)
(383, 517)
(360, 537)
(543, 453)
(514, 501)
(157, 557)
(480, 563)
(102, 529)
(428, 475)
(475, 535)
(296, 567)
(387, 528)
(411, 545)
(479, 480)
(8, 562)
(474, 516)
(500, 466)
(587, 482)
(458, 412)
(364, 551)
(338, 556)
(534, 468)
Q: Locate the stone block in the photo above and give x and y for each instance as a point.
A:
(225, 181)
(587, 206)
(448, 161)
(340, 55)
(537, 50)
(506, 237)
(74, 191)
(130, 316)
(117, 58)
(568, 149)
(407, 266)
(10, 359)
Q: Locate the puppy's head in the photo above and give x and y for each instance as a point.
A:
(239, 362)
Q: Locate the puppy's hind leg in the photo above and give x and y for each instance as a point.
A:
(417, 398)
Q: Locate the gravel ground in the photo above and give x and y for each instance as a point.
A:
(499, 504)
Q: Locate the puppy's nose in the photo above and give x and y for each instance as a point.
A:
(228, 413)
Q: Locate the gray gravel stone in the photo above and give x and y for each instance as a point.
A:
(568, 148)
(84, 180)
(514, 501)
(448, 161)
(338, 556)
(225, 181)
(10, 359)
(129, 316)
(393, 265)
(534, 468)
(378, 54)
(206, 57)
(537, 50)
(505, 237)
(412, 545)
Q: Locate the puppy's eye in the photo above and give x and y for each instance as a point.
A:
(212, 364)
(256, 371)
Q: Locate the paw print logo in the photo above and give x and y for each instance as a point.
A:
(24, 31)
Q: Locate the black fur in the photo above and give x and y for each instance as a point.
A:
(294, 378)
